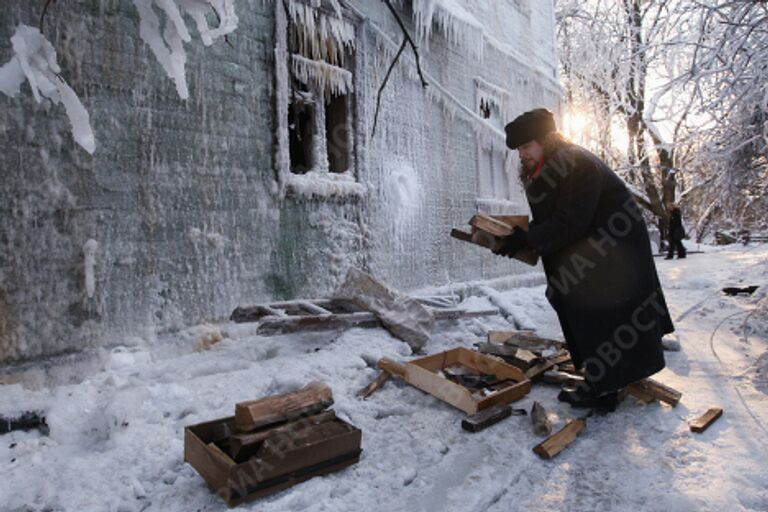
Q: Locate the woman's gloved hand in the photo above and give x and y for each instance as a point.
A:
(511, 244)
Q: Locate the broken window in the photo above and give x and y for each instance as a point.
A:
(301, 119)
(320, 114)
(494, 170)
(337, 133)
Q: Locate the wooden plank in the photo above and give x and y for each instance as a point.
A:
(212, 468)
(447, 391)
(655, 389)
(522, 359)
(484, 419)
(513, 220)
(535, 371)
(243, 446)
(313, 308)
(561, 378)
(454, 313)
(288, 456)
(461, 235)
(506, 395)
(703, 422)
(524, 339)
(496, 350)
(272, 325)
(558, 441)
(489, 365)
(489, 242)
(374, 386)
(255, 313)
(307, 401)
(392, 368)
(436, 302)
(636, 392)
(490, 225)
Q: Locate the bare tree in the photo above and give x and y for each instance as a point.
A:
(687, 78)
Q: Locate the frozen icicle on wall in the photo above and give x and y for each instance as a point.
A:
(89, 253)
(330, 80)
(319, 36)
(197, 9)
(34, 59)
(168, 44)
(453, 19)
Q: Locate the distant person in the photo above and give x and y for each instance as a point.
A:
(676, 233)
(594, 245)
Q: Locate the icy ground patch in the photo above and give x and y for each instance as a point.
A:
(116, 438)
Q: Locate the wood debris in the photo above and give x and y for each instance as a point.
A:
(307, 401)
(558, 441)
(487, 417)
(487, 231)
(703, 422)
(647, 390)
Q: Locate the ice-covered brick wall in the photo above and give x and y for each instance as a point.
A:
(183, 212)
(175, 195)
(424, 160)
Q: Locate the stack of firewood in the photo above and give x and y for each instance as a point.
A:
(488, 230)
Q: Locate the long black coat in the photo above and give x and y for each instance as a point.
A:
(601, 279)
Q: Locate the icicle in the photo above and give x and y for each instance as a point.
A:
(168, 47)
(319, 36)
(458, 25)
(330, 80)
(35, 59)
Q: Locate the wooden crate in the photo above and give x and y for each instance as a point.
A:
(423, 374)
(284, 462)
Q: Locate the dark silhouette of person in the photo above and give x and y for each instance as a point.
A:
(676, 233)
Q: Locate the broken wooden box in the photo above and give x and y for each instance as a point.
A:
(427, 374)
(279, 450)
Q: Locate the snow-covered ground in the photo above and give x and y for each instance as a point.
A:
(116, 439)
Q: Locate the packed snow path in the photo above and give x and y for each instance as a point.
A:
(116, 441)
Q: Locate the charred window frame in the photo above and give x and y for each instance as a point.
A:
(321, 102)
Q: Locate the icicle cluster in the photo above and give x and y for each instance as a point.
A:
(328, 79)
(319, 36)
(34, 59)
(458, 25)
(168, 44)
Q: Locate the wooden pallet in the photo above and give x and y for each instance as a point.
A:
(320, 314)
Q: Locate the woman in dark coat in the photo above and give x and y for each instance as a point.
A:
(601, 279)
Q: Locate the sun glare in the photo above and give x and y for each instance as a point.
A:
(574, 125)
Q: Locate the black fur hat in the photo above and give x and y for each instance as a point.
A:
(529, 126)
